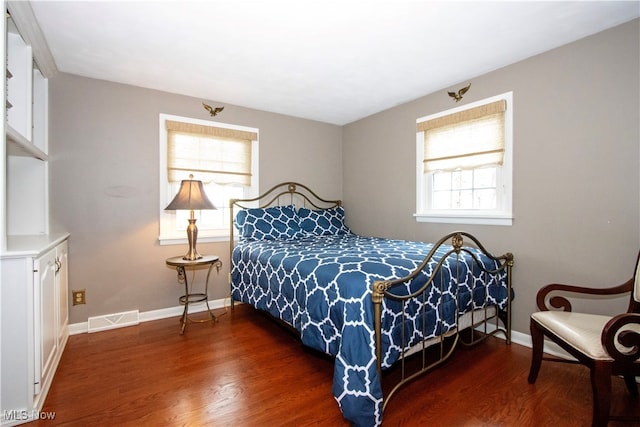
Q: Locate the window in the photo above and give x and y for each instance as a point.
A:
(464, 164)
(224, 157)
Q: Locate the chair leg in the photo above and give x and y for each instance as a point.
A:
(632, 385)
(601, 386)
(537, 341)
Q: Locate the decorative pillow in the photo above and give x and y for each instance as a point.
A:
(274, 223)
(323, 221)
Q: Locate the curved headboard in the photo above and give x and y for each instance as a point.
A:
(285, 193)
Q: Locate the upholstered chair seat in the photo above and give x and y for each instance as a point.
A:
(607, 345)
(579, 330)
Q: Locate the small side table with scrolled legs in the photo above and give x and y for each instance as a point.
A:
(191, 297)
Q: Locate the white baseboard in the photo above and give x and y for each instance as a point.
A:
(113, 321)
(525, 340)
(130, 318)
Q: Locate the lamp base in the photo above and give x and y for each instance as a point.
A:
(191, 256)
(192, 236)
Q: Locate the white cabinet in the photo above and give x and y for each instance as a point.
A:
(34, 296)
(62, 288)
(51, 322)
(34, 322)
(45, 316)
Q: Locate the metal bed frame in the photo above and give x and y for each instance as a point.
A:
(482, 324)
(385, 289)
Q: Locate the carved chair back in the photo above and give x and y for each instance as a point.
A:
(635, 302)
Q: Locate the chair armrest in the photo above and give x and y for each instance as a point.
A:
(620, 326)
(561, 302)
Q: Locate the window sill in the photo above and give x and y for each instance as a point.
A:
(464, 218)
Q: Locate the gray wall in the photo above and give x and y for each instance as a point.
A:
(105, 192)
(576, 166)
(576, 174)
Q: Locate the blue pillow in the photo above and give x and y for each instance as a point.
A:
(274, 223)
(323, 221)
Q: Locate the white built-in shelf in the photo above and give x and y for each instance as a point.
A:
(18, 145)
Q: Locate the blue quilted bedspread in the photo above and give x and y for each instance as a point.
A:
(321, 286)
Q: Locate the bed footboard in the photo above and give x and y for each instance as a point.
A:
(483, 319)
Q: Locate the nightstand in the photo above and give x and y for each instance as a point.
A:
(190, 297)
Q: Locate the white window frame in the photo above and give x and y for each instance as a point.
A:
(503, 214)
(168, 233)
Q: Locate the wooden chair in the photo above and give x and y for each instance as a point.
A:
(607, 345)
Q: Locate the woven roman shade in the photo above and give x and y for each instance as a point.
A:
(465, 139)
(211, 153)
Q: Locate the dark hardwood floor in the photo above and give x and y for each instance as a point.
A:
(246, 370)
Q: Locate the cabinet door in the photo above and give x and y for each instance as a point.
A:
(45, 322)
(62, 280)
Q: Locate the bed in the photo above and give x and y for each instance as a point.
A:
(373, 304)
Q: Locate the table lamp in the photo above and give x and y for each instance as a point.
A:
(191, 196)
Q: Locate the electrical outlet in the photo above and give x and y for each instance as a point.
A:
(79, 297)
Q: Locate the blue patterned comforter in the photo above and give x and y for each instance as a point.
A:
(321, 285)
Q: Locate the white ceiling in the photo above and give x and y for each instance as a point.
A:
(335, 61)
